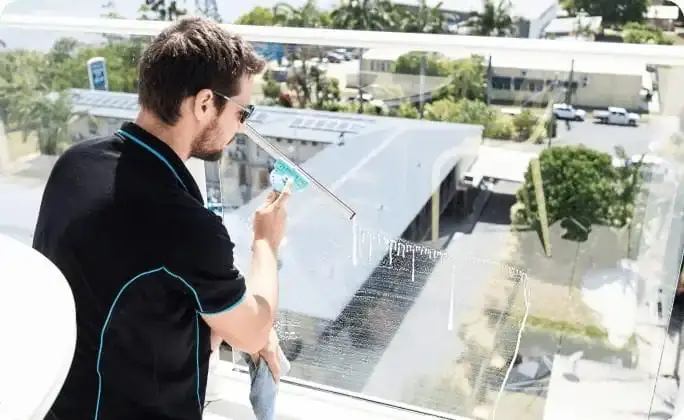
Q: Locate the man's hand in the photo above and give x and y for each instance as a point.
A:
(270, 354)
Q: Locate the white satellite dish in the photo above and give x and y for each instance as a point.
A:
(36, 302)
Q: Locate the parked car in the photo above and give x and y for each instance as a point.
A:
(617, 116)
(568, 112)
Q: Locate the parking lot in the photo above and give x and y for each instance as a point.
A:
(635, 140)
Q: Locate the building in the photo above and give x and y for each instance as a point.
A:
(399, 176)
(531, 16)
(299, 133)
(596, 82)
(662, 16)
(575, 28)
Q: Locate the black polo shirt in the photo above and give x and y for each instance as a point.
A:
(125, 222)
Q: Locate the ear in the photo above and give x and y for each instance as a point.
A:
(203, 104)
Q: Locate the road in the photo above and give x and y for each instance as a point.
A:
(635, 140)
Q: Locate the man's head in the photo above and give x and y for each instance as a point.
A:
(196, 75)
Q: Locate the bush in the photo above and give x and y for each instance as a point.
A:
(580, 184)
(525, 124)
(501, 128)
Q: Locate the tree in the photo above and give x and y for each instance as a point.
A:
(494, 20)
(428, 20)
(435, 64)
(581, 185)
(259, 16)
(270, 87)
(639, 33)
(363, 15)
(613, 12)
(161, 10)
(313, 88)
(47, 115)
(468, 79)
(307, 16)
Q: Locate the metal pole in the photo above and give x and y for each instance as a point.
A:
(275, 152)
(569, 90)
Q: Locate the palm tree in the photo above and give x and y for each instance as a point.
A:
(363, 15)
(307, 16)
(430, 20)
(47, 115)
(303, 81)
(494, 20)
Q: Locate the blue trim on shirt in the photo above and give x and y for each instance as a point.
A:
(198, 313)
(158, 155)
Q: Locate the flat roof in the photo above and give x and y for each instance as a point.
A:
(563, 63)
(502, 164)
(528, 9)
(290, 123)
(566, 25)
(536, 61)
(386, 177)
(662, 12)
(391, 54)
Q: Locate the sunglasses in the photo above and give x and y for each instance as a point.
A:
(246, 110)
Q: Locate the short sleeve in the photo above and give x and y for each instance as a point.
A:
(204, 260)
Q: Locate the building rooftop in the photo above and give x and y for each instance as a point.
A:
(300, 124)
(537, 61)
(386, 177)
(662, 12)
(566, 25)
(527, 9)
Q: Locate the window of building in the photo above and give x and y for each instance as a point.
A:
(501, 83)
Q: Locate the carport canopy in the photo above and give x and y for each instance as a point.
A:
(503, 164)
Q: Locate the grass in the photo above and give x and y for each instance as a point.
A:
(556, 325)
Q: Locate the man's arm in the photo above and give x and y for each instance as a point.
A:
(247, 326)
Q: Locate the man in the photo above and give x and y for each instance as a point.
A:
(150, 268)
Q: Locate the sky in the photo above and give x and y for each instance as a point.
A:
(229, 10)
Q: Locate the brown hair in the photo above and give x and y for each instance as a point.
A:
(193, 54)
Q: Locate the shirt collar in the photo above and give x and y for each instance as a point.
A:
(162, 153)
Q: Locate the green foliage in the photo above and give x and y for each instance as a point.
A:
(525, 123)
(614, 12)
(639, 33)
(468, 80)
(312, 87)
(259, 16)
(407, 111)
(161, 10)
(435, 64)
(270, 88)
(495, 19)
(581, 185)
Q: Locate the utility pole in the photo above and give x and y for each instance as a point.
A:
(489, 81)
(208, 8)
(569, 91)
(423, 63)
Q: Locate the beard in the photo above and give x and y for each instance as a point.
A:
(205, 147)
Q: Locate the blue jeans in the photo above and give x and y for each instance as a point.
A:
(263, 388)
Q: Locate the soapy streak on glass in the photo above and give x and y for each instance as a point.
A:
(348, 352)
